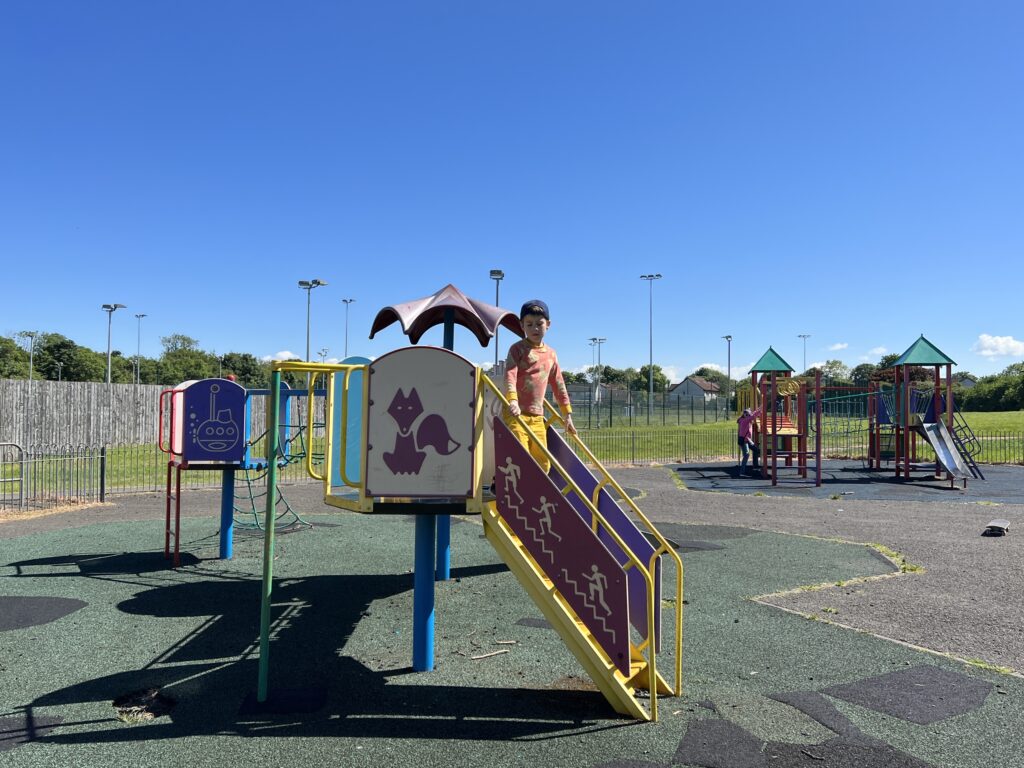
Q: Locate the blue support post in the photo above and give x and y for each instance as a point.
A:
(444, 522)
(423, 596)
(227, 513)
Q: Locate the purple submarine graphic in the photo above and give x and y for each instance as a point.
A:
(219, 432)
(406, 458)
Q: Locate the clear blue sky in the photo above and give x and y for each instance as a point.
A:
(854, 171)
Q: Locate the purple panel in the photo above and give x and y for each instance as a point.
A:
(566, 549)
(623, 526)
(213, 422)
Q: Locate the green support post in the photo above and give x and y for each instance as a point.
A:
(273, 417)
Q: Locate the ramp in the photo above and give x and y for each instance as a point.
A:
(941, 441)
(581, 573)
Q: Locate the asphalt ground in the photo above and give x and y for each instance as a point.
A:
(888, 669)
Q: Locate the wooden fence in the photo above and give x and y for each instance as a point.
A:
(76, 413)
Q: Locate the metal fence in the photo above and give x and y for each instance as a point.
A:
(47, 476)
(51, 476)
(627, 408)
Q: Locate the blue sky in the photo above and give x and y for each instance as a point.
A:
(853, 171)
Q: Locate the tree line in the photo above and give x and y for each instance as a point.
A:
(57, 358)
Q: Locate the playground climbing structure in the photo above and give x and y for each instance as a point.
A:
(417, 431)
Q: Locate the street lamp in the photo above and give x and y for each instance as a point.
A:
(650, 369)
(805, 337)
(728, 375)
(138, 350)
(110, 309)
(497, 276)
(347, 302)
(597, 341)
(308, 286)
(60, 367)
(323, 354)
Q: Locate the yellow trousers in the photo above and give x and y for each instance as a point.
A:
(539, 430)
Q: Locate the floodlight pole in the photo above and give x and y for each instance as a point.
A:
(497, 276)
(650, 365)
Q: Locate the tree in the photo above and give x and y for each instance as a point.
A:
(250, 372)
(182, 360)
(863, 374)
(660, 379)
(571, 377)
(713, 375)
(13, 359)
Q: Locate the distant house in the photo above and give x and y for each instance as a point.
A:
(695, 386)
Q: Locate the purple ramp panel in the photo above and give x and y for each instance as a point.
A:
(623, 526)
(567, 550)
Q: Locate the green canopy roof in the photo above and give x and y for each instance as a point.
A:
(923, 352)
(771, 361)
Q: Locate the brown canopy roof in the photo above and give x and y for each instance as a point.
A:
(419, 315)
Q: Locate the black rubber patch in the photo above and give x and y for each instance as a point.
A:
(23, 612)
(839, 754)
(823, 711)
(285, 701)
(15, 731)
(922, 695)
(531, 622)
(143, 706)
(720, 744)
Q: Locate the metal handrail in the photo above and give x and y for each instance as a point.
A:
(596, 515)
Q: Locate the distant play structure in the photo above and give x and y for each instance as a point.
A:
(788, 418)
(901, 412)
(896, 411)
(419, 431)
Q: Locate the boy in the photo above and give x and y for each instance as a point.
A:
(531, 366)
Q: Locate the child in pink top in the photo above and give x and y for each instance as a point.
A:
(745, 437)
(530, 368)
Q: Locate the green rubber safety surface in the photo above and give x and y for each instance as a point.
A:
(763, 687)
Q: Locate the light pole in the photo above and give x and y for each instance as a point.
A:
(650, 369)
(138, 350)
(597, 341)
(323, 354)
(60, 367)
(497, 276)
(805, 337)
(308, 286)
(346, 302)
(728, 375)
(110, 309)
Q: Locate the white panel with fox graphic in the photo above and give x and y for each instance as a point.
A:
(420, 424)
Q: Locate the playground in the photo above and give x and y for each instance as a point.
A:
(102, 616)
(449, 595)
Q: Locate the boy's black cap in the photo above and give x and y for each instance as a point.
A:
(531, 307)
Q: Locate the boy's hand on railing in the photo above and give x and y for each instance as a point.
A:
(513, 407)
(569, 426)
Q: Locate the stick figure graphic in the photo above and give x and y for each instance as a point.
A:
(512, 473)
(598, 582)
(545, 510)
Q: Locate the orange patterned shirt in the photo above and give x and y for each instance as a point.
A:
(528, 371)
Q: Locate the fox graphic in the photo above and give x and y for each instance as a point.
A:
(406, 458)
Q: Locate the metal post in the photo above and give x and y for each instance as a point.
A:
(805, 337)
(346, 302)
(597, 341)
(423, 596)
(227, 513)
(650, 336)
(442, 567)
(497, 276)
(138, 349)
(273, 417)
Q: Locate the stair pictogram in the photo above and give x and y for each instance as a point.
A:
(588, 597)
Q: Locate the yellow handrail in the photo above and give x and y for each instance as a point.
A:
(309, 425)
(663, 548)
(634, 560)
